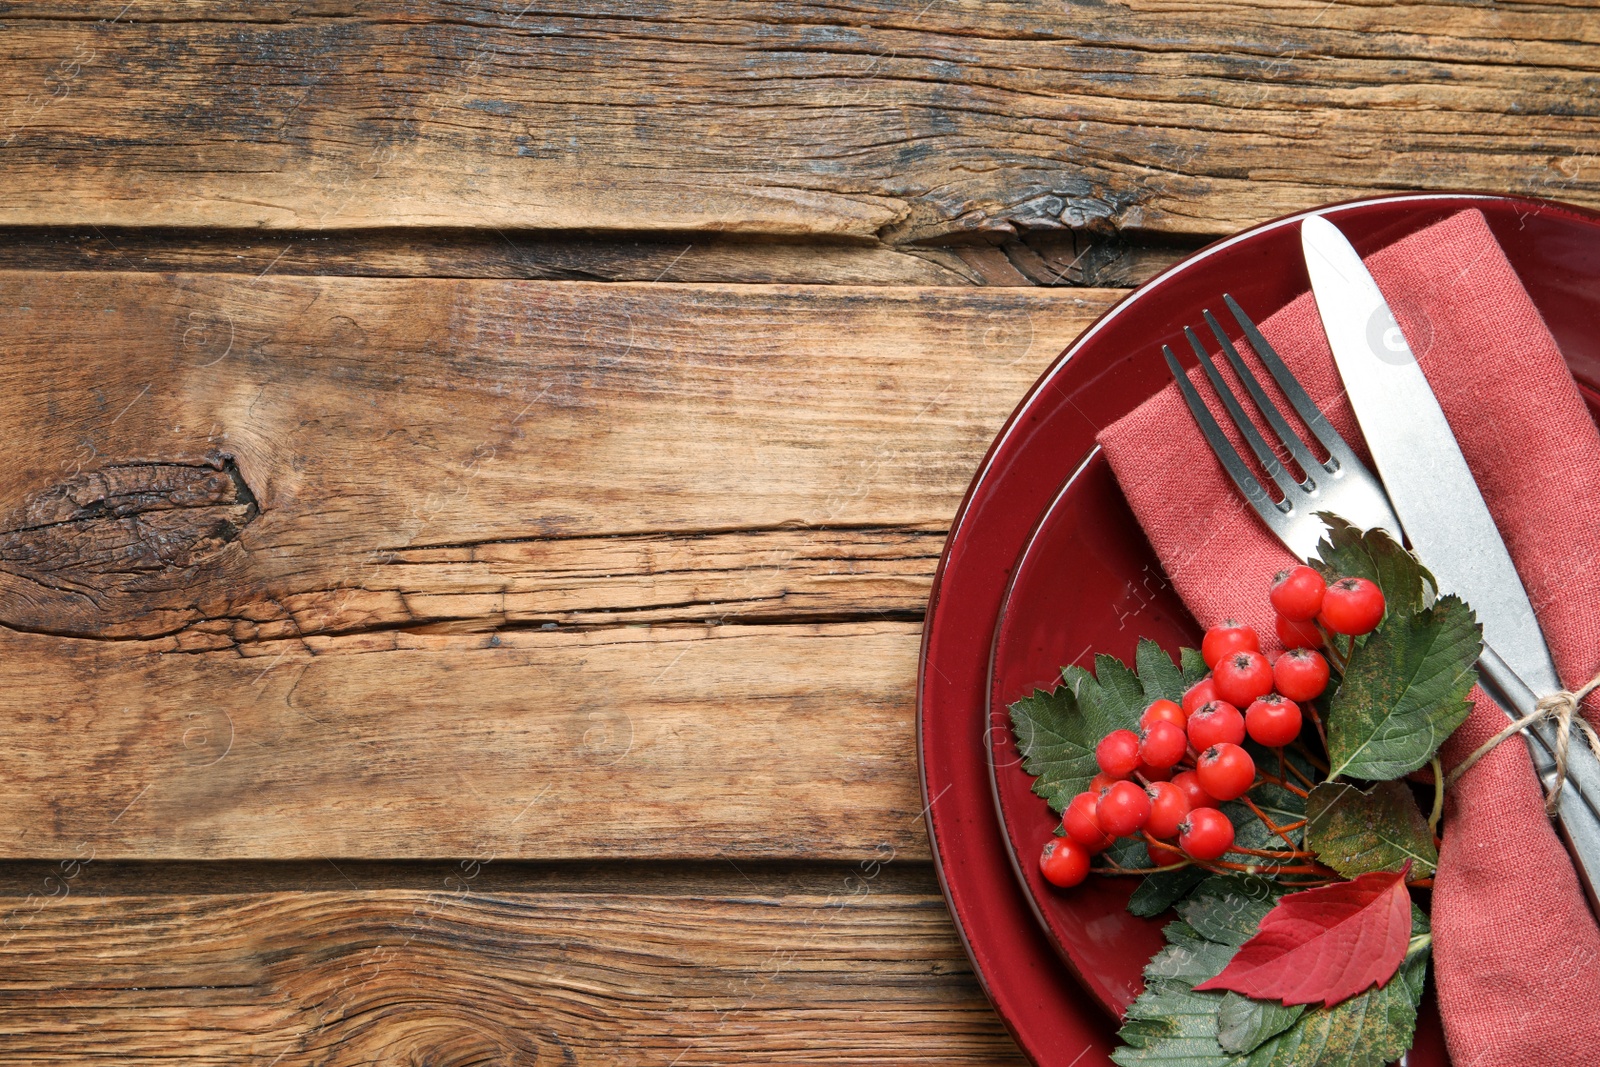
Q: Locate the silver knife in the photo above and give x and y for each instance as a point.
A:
(1442, 511)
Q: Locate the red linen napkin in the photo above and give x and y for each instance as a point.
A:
(1516, 952)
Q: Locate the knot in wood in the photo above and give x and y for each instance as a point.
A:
(104, 546)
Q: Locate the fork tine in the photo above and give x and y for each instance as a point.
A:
(1226, 454)
(1280, 426)
(1338, 452)
(1258, 445)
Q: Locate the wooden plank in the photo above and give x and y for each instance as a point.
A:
(857, 965)
(304, 567)
(898, 119)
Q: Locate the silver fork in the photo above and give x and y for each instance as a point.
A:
(1344, 486)
(1341, 484)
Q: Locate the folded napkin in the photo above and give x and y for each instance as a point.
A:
(1516, 952)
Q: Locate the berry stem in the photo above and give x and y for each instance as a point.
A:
(1284, 763)
(1316, 720)
(1309, 883)
(1270, 825)
(1262, 776)
(1438, 797)
(1255, 868)
(1139, 870)
(1293, 853)
(1315, 760)
(1330, 641)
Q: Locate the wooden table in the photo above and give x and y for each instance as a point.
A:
(475, 470)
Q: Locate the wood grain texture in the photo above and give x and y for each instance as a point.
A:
(304, 567)
(896, 120)
(859, 966)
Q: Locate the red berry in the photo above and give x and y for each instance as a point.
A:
(1243, 676)
(1123, 809)
(1153, 774)
(1118, 753)
(1193, 791)
(1080, 824)
(1300, 674)
(1206, 834)
(1164, 710)
(1064, 862)
(1215, 723)
(1225, 638)
(1352, 606)
(1168, 807)
(1225, 771)
(1101, 782)
(1297, 593)
(1273, 721)
(1202, 692)
(1292, 634)
(1163, 744)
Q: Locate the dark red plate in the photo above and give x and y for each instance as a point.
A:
(1044, 509)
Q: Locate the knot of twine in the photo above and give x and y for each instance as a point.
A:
(1560, 708)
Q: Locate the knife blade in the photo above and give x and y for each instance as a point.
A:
(1433, 492)
(1441, 509)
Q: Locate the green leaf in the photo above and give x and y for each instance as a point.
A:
(1347, 552)
(1128, 852)
(1193, 666)
(1355, 832)
(1173, 1026)
(1243, 1023)
(1115, 700)
(1161, 678)
(1228, 909)
(1055, 744)
(1056, 731)
(1158, 892)
(1404, 692)
(1170, 1023)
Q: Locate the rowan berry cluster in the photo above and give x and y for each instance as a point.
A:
(1165, 781)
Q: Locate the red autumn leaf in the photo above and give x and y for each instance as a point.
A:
(1325, 944)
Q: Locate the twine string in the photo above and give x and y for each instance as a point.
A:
(1560, 708)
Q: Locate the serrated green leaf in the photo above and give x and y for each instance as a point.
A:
(1161, 678)
(1243, 1023)
(1193, 666)
(1404, 692)
(1116, 700)
(1347, 552)
(1355, 832)
(1158, 892)
(1055, 745)
(1228, 909)
(1057, 731)
(1171, 1025)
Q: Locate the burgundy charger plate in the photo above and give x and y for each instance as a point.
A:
(1045, 566)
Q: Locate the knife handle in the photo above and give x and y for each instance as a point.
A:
(1578, 816)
